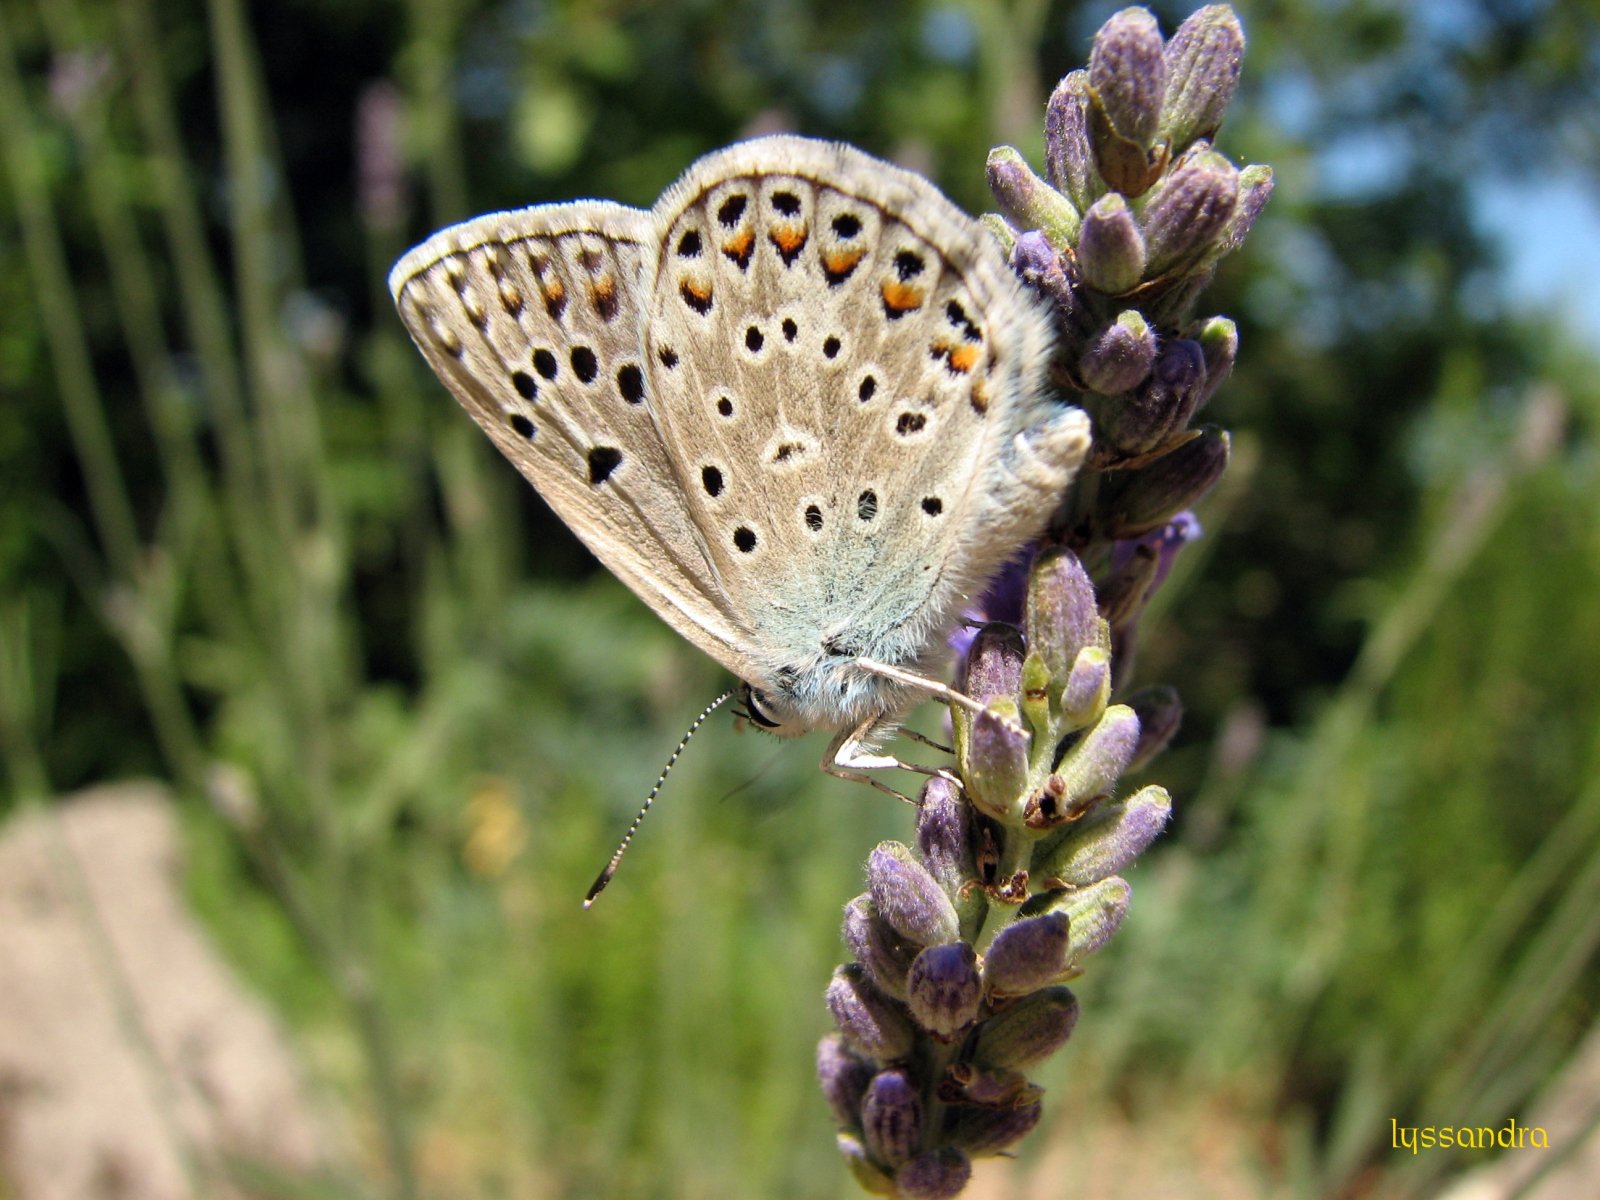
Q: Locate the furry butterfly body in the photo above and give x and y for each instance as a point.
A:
(798, 407)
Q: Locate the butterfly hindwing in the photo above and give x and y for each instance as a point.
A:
(841, 361)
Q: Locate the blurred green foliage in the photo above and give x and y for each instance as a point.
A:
(247, 544)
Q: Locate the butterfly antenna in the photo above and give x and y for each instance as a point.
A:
(604, 877)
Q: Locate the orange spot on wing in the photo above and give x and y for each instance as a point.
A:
(604, 294)
(842, 262)
(901, 297)
(963, 358)
(738, 246)
(788, 238)
(700, 290)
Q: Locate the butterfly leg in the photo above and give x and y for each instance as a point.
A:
(926, 741)
(848, 757)
(939, 691)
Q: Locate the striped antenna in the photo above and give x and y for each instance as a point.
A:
(604, 877)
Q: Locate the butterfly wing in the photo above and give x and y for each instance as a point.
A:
(849, 379)
(532, 320)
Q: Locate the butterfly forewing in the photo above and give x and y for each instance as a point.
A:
(532, 319)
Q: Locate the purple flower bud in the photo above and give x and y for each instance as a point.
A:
(1088, 688)
(940, 1174)
(1219, 344)
(877, 947)
(995, 763)
(1110, 247)
(1029, 201)
(1129, 73)
(1062, 617)
(994, 666)
(1255, 189)
(944, 835)
(1069, 159)
(891, 1118)
(1145, 417)
(1159, 550)
(909, 898)
(1042, 267)
(1148, 498)
(1119, 357)
(1030, 1031)
(844, 1079)
(1160, 714)
(872, 1024)
(1092, 766)
(1204, 58)
(1106, 840)
(945, 989)
(1132, 579)
(1028, 955)
(983, 1132)
(1189, 211)
(872, 1178)
(1096, 912)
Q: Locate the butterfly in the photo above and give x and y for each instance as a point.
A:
(798, 406)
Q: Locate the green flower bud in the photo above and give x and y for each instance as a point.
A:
(1096, 912)
(873, 1179)
(1128, 71)
(1111, 250)
(1124, 594)
(984, 1132)
(1003, 231)
(1255, 189)
(1204, 58)
(1088, 688)
(1219, 344)
(1029, 201)
(1160, 713)
(1030, 1031)
(1091, 768)
(1147, 498)
(995, 767)
(1106, 840)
